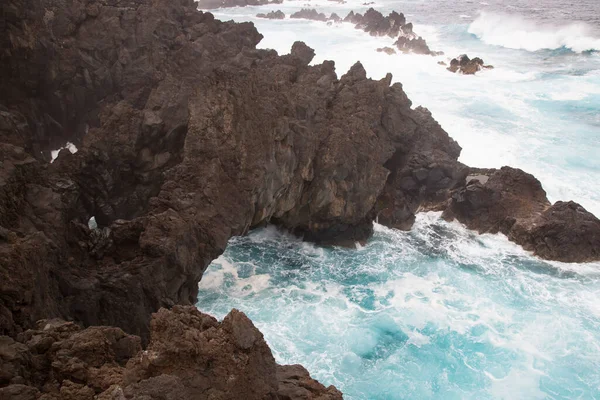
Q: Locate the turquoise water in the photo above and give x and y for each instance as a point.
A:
(440, 312)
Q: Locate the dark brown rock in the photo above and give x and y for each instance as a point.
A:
(464, 65)
(514, 203)
(374, 23)
(190, 356)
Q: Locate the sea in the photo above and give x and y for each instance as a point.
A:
(441, 312)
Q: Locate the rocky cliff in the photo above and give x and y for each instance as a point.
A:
(188, 135)
(190, 356)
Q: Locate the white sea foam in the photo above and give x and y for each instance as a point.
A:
(70, 146)
(516, 32)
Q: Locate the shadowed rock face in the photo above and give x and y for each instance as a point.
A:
(187, 135)
(513, 202)
(190, 356)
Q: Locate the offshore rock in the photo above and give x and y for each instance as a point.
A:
(514, 203)
(212, 4)
(311, 14)
(464, 65)
(190, 356)
(272, 15)
(374, 23)
(387, 50)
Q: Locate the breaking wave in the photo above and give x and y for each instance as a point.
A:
(515, 32)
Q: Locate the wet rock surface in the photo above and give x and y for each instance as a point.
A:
(513, 202)
(187, 136)
(190, 356)
(467, 66)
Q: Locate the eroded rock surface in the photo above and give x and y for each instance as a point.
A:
(188, 135)
(513, 202)
(190, 356)
(467, 66)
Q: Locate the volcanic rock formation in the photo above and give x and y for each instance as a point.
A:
(513, 202)
(464, 65)
(190, 356)
(311, 14)
(187, 136)
(272, 15)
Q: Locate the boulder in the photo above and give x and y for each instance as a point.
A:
(464, 65)
(513, 202)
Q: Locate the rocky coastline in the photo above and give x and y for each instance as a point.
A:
(188, 135)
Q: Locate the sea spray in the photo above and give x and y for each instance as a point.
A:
(438, 312)
(516, 32)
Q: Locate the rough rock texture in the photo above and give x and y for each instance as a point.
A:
(513, 202)
(374, 23)
(272, 15)
(311, 14)
(190, 356)
(212, 4)
(416, 44)
(394, 25)
(464, 65)
(187, 135)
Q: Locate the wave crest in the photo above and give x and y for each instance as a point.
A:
(516, 32)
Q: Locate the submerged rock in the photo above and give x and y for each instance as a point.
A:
(386, 50)
(464, 65)
(272, 15)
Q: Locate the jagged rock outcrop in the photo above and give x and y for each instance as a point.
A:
(212, 4)
(513, 202)
(394, 25)
(374, 23)
(416, 44)
(188, 135)
(467, 66)
(178, 151)
(190, 356)
(311, 14)
(272, 15)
